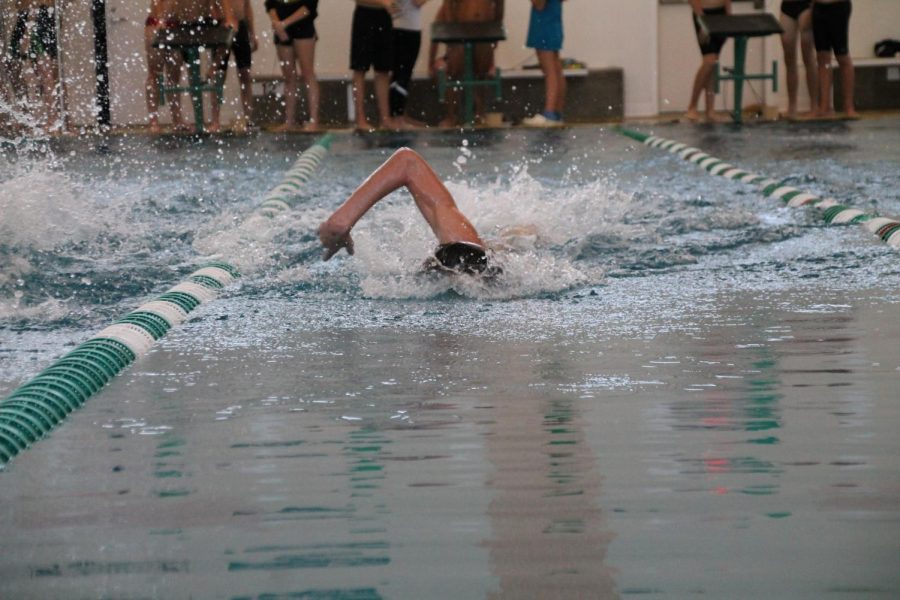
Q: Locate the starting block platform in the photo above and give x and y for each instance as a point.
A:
(190, 40)
(468, 34)
(741, 28)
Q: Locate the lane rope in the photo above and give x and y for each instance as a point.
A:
(35, 408)
(286, 194)
(832, 211)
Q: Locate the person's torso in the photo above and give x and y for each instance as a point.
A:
(463, 11)
(409, 16)
(191, 11)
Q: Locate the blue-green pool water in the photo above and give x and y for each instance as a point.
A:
(678, 388)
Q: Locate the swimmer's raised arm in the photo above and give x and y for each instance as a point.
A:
(405, 168)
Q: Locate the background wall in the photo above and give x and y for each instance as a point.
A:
(653, 43)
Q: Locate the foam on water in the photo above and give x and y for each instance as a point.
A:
(533, 231)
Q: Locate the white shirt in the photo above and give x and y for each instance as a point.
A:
(408, 17)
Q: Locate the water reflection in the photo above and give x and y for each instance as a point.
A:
(547, 531)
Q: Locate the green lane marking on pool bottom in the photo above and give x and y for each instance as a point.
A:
(832, 212)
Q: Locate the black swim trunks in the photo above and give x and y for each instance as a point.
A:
(831, 25)
(241, 48)
(305, 28)
(460, 257)
(372, 40)
(795, 8)
(715, 42)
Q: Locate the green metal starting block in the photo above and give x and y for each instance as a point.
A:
(468, 34)
(190, 41)
(741, 28)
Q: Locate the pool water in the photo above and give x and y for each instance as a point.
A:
(677, 388)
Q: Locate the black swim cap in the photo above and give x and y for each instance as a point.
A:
(462, 257)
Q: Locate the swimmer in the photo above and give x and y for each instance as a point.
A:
(460, 249)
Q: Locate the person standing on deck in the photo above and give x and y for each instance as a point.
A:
(34, 40)
(407, 42)
(295, 41)
(244, 45)
(372, 46)
(545, 36)
(201, 14)
(710, 47)
(831, 25)
(796, 21)
(465, 11)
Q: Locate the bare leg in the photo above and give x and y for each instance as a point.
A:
(405, 168)
(218, 69)
(359, 100)
(845, 64)
(808, 50)
(305, 50)
(287, 61)
(174, 61)
(47, 73)
(825, 81)
(702, 82)
(554, 79)
(155, 66)
(245, 78)
(382, 98)
(789, 46)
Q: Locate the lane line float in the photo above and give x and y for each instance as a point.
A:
(284, 196)
(832, 211)
(35, 408)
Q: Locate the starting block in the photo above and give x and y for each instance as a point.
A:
(190, 40)
(741, 28)
(468, 34)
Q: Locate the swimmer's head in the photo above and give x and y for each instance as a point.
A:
(463, 258)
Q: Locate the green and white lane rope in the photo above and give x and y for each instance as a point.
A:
(832, 211)
(32, 410)
(284, 196)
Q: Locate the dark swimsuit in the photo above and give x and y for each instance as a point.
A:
(715, 42)
(795, 8)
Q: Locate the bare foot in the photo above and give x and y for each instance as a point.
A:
(414, 123)
(153, 126)
(852, 114)
(181, 127)
(448, 123)
(364, 126)
(391, 123)
(283, 128)
(311, 126)
(692, 116)
(214, 127)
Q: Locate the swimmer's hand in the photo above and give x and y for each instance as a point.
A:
(333, 238)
